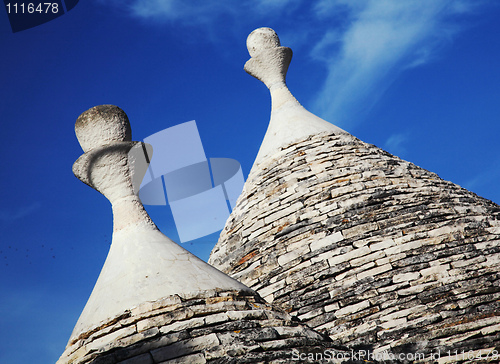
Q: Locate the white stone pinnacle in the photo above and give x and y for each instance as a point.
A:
(142, 264)
(289, 120)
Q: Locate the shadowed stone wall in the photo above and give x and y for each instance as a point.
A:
(368, 248)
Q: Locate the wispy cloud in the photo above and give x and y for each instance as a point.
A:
(395, 144)
(363, 44)
(210, 20)
(383, 38)
(17, 213)
(484, 178)
(200, 12)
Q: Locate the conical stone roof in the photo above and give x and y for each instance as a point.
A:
(155, 302)
(359, 244)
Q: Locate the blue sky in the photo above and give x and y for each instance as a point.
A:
(419, 78)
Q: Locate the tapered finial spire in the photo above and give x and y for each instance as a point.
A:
(142, 264)
(289, 120)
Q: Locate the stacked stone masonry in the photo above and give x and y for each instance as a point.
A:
(368, 248)
(209, 327)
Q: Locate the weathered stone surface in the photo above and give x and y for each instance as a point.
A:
(380, 252)
(141, 359)
(215, 326)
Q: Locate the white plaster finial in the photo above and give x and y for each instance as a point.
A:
(270, 61)
(102, 125)
(142, 264)
(262, 38)
(289, 120)
(105, 135)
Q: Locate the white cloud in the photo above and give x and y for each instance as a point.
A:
(328, 46)
(395, 144)
(383, 38)
(19, 212)
(276, 5)
(488, 176)
(363, 44)
(200, 12)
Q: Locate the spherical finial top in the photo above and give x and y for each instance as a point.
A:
(262, 38)
(102, 125)
(269, 60)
